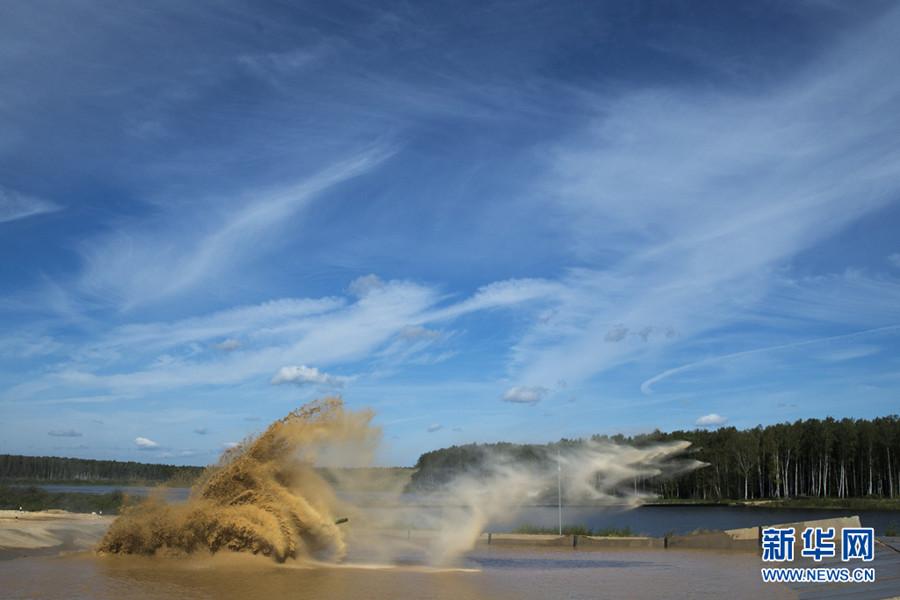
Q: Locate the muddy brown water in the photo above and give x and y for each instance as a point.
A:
(488, 573)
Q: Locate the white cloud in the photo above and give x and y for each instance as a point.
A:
(145, 443)
(434, 427)
(302, 375)
(711, 419)
(14, 205)
(201, 430)
(525, 394)
(230, 445)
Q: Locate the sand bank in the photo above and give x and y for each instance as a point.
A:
(48, 532)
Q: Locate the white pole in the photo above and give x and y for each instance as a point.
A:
(559, 488)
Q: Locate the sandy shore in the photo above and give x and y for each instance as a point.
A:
(48, 532)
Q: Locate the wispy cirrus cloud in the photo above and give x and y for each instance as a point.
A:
(16, 205)
(194, 243)
(673, 191)
(648, 385)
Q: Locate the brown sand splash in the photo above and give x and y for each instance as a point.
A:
(263, 497)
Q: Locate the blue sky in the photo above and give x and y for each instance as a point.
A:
(486, 221)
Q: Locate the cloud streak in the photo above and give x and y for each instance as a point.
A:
(139, 264)
(15, 205)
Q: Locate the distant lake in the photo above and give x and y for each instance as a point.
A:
(659, 520)
(646, 520)
(175, 494)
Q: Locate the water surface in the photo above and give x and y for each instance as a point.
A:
(490, 573)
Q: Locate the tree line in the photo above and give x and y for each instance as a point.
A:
(819, 458)
(52, 468)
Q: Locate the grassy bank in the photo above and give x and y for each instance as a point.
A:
(33, 498)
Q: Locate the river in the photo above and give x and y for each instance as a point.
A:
(643, 520)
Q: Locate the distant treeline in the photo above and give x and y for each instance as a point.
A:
(33, 498)
(807, 458)
(51, 468)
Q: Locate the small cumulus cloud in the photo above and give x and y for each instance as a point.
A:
(434, 427)
(525, 394)
(711, 419)
(64, 433)
(201, 430)
(303, 375)
(145, 443)
(365, 285)
(228, 345)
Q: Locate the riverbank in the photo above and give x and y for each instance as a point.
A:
(801, 503)
(48, 532)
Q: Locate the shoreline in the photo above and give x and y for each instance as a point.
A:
(48, 532)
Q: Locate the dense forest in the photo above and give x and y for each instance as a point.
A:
(50, 468)
(808, 458)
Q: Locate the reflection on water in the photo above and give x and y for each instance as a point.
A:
(488, 573)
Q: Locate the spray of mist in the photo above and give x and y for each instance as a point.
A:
(266, 496)
(590, 472)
